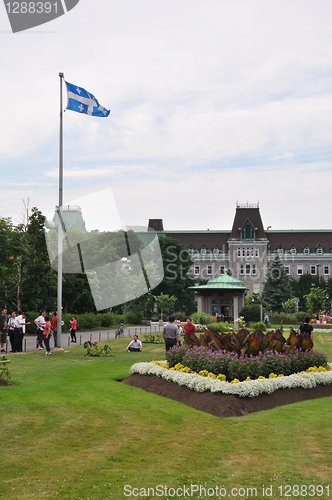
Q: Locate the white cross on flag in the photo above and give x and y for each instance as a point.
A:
(81, 101)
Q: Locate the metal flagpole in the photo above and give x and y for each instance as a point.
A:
(60, 222)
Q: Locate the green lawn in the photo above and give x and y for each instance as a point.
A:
(71, 430)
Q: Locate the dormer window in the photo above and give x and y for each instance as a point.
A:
(247, 231)
(215, 250)
(293, 250)
(319, 250)
(280, 250)
(203, 251)
(191, 250)
(306, 250)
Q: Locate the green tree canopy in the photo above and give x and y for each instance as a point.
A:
(177, 263)
(276, 286)
(315, 300)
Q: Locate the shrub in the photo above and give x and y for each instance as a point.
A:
(251, 313)
(201, 318)
(180, 316)
(221, 327)
(300, 315)
(259, 325)
(133, 318)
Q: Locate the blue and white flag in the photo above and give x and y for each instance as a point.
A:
(81, 101)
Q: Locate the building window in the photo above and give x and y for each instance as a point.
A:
(248, 252)
(203, 251)
(241, 269)
(312, 269)
(216, 251)
(196, 270)
(209, 270)
(280, 251)
(319, 250)
(293, 250)
(299, 269)
(326, 269)
(256, 288)
(287, 270)
(239, 252)
(247, 268)
(191, 251)
(247, 231)
(222, 270)
(306, 250)
(254, 269)
(257, 253)
(243, 252)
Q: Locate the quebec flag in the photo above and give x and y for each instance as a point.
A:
(81, 101)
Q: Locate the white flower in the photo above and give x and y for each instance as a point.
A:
(249, 389)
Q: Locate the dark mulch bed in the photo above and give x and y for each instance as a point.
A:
(225, 405)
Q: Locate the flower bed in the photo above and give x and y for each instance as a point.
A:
(234, 367)
(208, 381)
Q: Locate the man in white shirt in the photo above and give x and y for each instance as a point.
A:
(135, 345)
(40, 323)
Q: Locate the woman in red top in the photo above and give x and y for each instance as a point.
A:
(47, 335)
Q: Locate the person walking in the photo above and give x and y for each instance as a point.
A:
(170, 334)
(73, 329)
(179, 325)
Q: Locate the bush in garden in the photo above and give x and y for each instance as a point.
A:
(251, 313)
(175, 355)
(200, 318)
(259, 325)
(133, 318)
(300, 315)
(222, 327)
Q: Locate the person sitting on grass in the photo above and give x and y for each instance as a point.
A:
(135, 345)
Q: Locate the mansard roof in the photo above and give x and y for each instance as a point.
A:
(197, 239)
(300, 239)
(244, 213)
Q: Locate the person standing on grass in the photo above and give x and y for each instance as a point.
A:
(179, 325)
(73, 329)
(40, 323)
(171, 334)
(11, 331)
(3, 329)
(54, 328)
(47, 335)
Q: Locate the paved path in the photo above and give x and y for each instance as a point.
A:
(29, 342)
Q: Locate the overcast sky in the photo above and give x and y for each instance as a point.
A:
(212, 102)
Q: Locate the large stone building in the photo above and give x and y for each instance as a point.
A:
(248, 249)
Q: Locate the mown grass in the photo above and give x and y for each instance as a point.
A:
(71, 430)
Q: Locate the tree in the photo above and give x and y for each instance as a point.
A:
(165, 303)
(290, 305)
(276, 286)
(177, 280)
(315, 300)
(301, 287)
